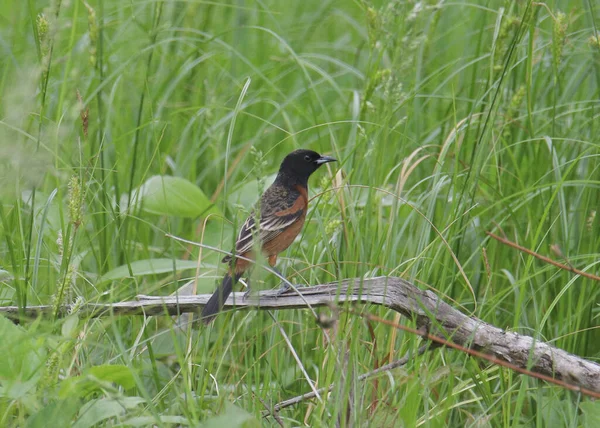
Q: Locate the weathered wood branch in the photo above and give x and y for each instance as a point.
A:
(429, 312)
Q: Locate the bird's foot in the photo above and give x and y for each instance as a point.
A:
(285, 287)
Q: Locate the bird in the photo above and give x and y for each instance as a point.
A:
(282, 209)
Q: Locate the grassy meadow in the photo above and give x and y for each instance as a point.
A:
(126, 125)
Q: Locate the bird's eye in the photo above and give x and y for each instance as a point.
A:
(307, 158)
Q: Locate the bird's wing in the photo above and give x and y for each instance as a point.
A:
(274, 219)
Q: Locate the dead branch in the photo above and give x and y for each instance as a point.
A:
(430, 314)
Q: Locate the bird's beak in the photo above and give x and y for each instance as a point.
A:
(325, 159)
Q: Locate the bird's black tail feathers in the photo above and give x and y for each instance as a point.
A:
(216, 301)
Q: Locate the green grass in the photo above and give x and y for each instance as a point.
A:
(449, 119)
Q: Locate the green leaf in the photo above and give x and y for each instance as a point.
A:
(174, 196)
(97, 378)
(150, 267)
(247, 193)
(56, 414)
(591, 413)
(98, 410)
(165, 344)
(119, 374)
(22, 360)
(149, 421)
(69, 327)
(232, 417)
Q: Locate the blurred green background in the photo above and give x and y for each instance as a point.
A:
(124, 122)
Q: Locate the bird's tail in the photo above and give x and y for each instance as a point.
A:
(216, 301)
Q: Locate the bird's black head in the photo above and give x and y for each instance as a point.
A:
(300, 164)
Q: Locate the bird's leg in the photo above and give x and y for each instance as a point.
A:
(277, 271)
(246, 282)
(285, 285)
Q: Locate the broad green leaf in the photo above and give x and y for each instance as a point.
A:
(150, 267)
(119, 374)
(56, 414)
(80, 386)
(150, 421)
(166, 344)
(555, 411)
(591, 413)
(175, 196)
(232, 417)
(69, 327)
(247, 193)
(22, 360)
(98, 410)
(97, 378)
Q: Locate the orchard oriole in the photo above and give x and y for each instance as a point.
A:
(283, 209)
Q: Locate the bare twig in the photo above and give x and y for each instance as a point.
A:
(543, 258)
(394, 364)
(269, 412)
